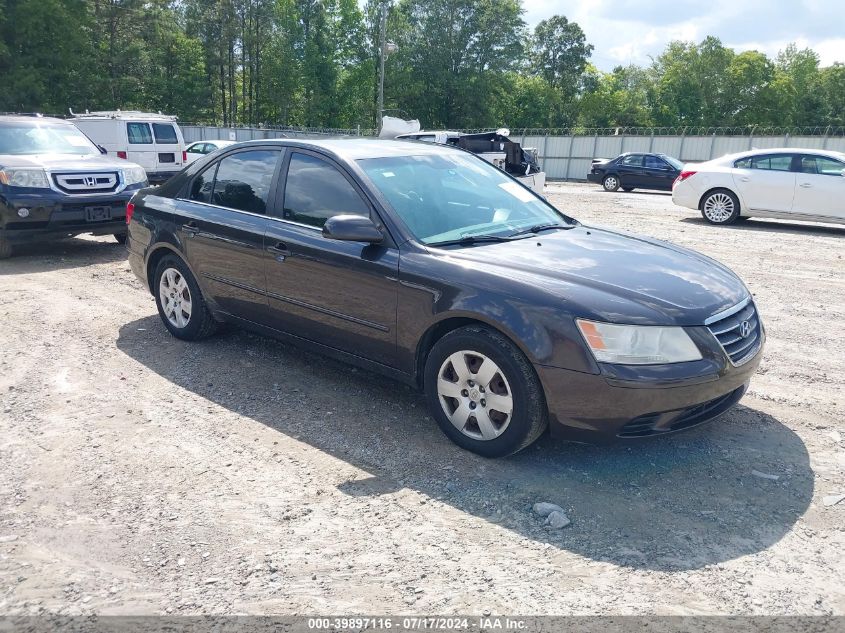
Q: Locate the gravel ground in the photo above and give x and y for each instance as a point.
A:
(143, 475)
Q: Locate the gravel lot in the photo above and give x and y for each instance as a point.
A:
(143, 475)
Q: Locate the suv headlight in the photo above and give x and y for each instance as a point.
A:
(638, 344)
(134, 175)
(34, 178)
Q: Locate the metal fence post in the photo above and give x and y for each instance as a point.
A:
(681, 149)
(569, 156)
(712, 145)
(826, 137)
(651, 142)
(786, 140)
(545, 144)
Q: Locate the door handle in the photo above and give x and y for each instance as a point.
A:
(280, 250)
(190, 228)
(806, 185)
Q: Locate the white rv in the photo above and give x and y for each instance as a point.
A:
(153, 141)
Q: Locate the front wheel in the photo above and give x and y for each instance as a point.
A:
(610, 183)
(720, 207)
(180, 302)
(484, 393)
(120, 237)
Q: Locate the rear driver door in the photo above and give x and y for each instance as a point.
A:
(223, 220)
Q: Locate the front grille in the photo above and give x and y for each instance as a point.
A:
(739, 332)
(87, 183)
(666, 422)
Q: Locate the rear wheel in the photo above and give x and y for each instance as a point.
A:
(610, 183)
(180, 302)
(720, 207)
(5, 248)
(484, 393)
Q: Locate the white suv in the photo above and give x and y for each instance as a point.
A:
(789, 183)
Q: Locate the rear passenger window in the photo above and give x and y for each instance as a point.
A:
(774, 163)
(165, 133)
(315, 191)
(243, 180)
(633, 161)
(139, 133)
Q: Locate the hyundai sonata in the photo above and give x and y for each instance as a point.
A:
(428, 264)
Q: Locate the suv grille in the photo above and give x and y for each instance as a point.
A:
(739, 333)
(87, 183)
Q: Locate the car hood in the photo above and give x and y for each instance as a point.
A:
(614, 276)
(62, 161)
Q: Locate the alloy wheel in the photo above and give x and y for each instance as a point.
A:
(719, 207)
(475, 395)
(175, 297)
(610, 183)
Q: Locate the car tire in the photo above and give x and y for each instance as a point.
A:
(627, 188)
(185, 313)
(5, 248)
(120, 237)
(460, 383)
(611, 183)
(720, 206)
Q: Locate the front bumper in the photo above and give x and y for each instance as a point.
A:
(600, 408)
(54, 216)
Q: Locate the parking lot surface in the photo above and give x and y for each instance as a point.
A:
(140, 474)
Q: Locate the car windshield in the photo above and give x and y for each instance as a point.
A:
(451, 196)
(40, 138)
(674, 162)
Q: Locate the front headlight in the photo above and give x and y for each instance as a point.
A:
(33, 178)
(638, 344)
(134, 175)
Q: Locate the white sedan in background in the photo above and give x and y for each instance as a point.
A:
(790, 183)
(199, 149)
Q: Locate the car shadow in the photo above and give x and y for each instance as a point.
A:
(72, 252)
(671, 503)
(754, 224)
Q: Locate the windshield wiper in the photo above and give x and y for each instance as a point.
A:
(543, 227)
(468, 240)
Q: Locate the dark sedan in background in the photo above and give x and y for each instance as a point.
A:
(431, 265)
(631, 171)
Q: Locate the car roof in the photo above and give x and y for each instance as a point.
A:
(360, 148)
(19, 118)
(782, 150)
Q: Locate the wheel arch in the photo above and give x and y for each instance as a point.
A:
(450, 323)
(156, 253)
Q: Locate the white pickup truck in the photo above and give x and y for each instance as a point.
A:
(494, 147)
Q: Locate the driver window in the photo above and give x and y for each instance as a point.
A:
(316, 191)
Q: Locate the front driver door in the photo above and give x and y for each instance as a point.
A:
(657, 173)
(339, 294)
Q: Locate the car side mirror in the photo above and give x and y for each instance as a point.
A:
(352, 228)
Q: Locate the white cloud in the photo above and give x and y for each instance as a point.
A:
(633, 31)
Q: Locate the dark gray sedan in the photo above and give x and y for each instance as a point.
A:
(432, 266)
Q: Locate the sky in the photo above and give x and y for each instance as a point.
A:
(632, 31)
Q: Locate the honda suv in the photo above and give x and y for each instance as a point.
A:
(55, 182)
